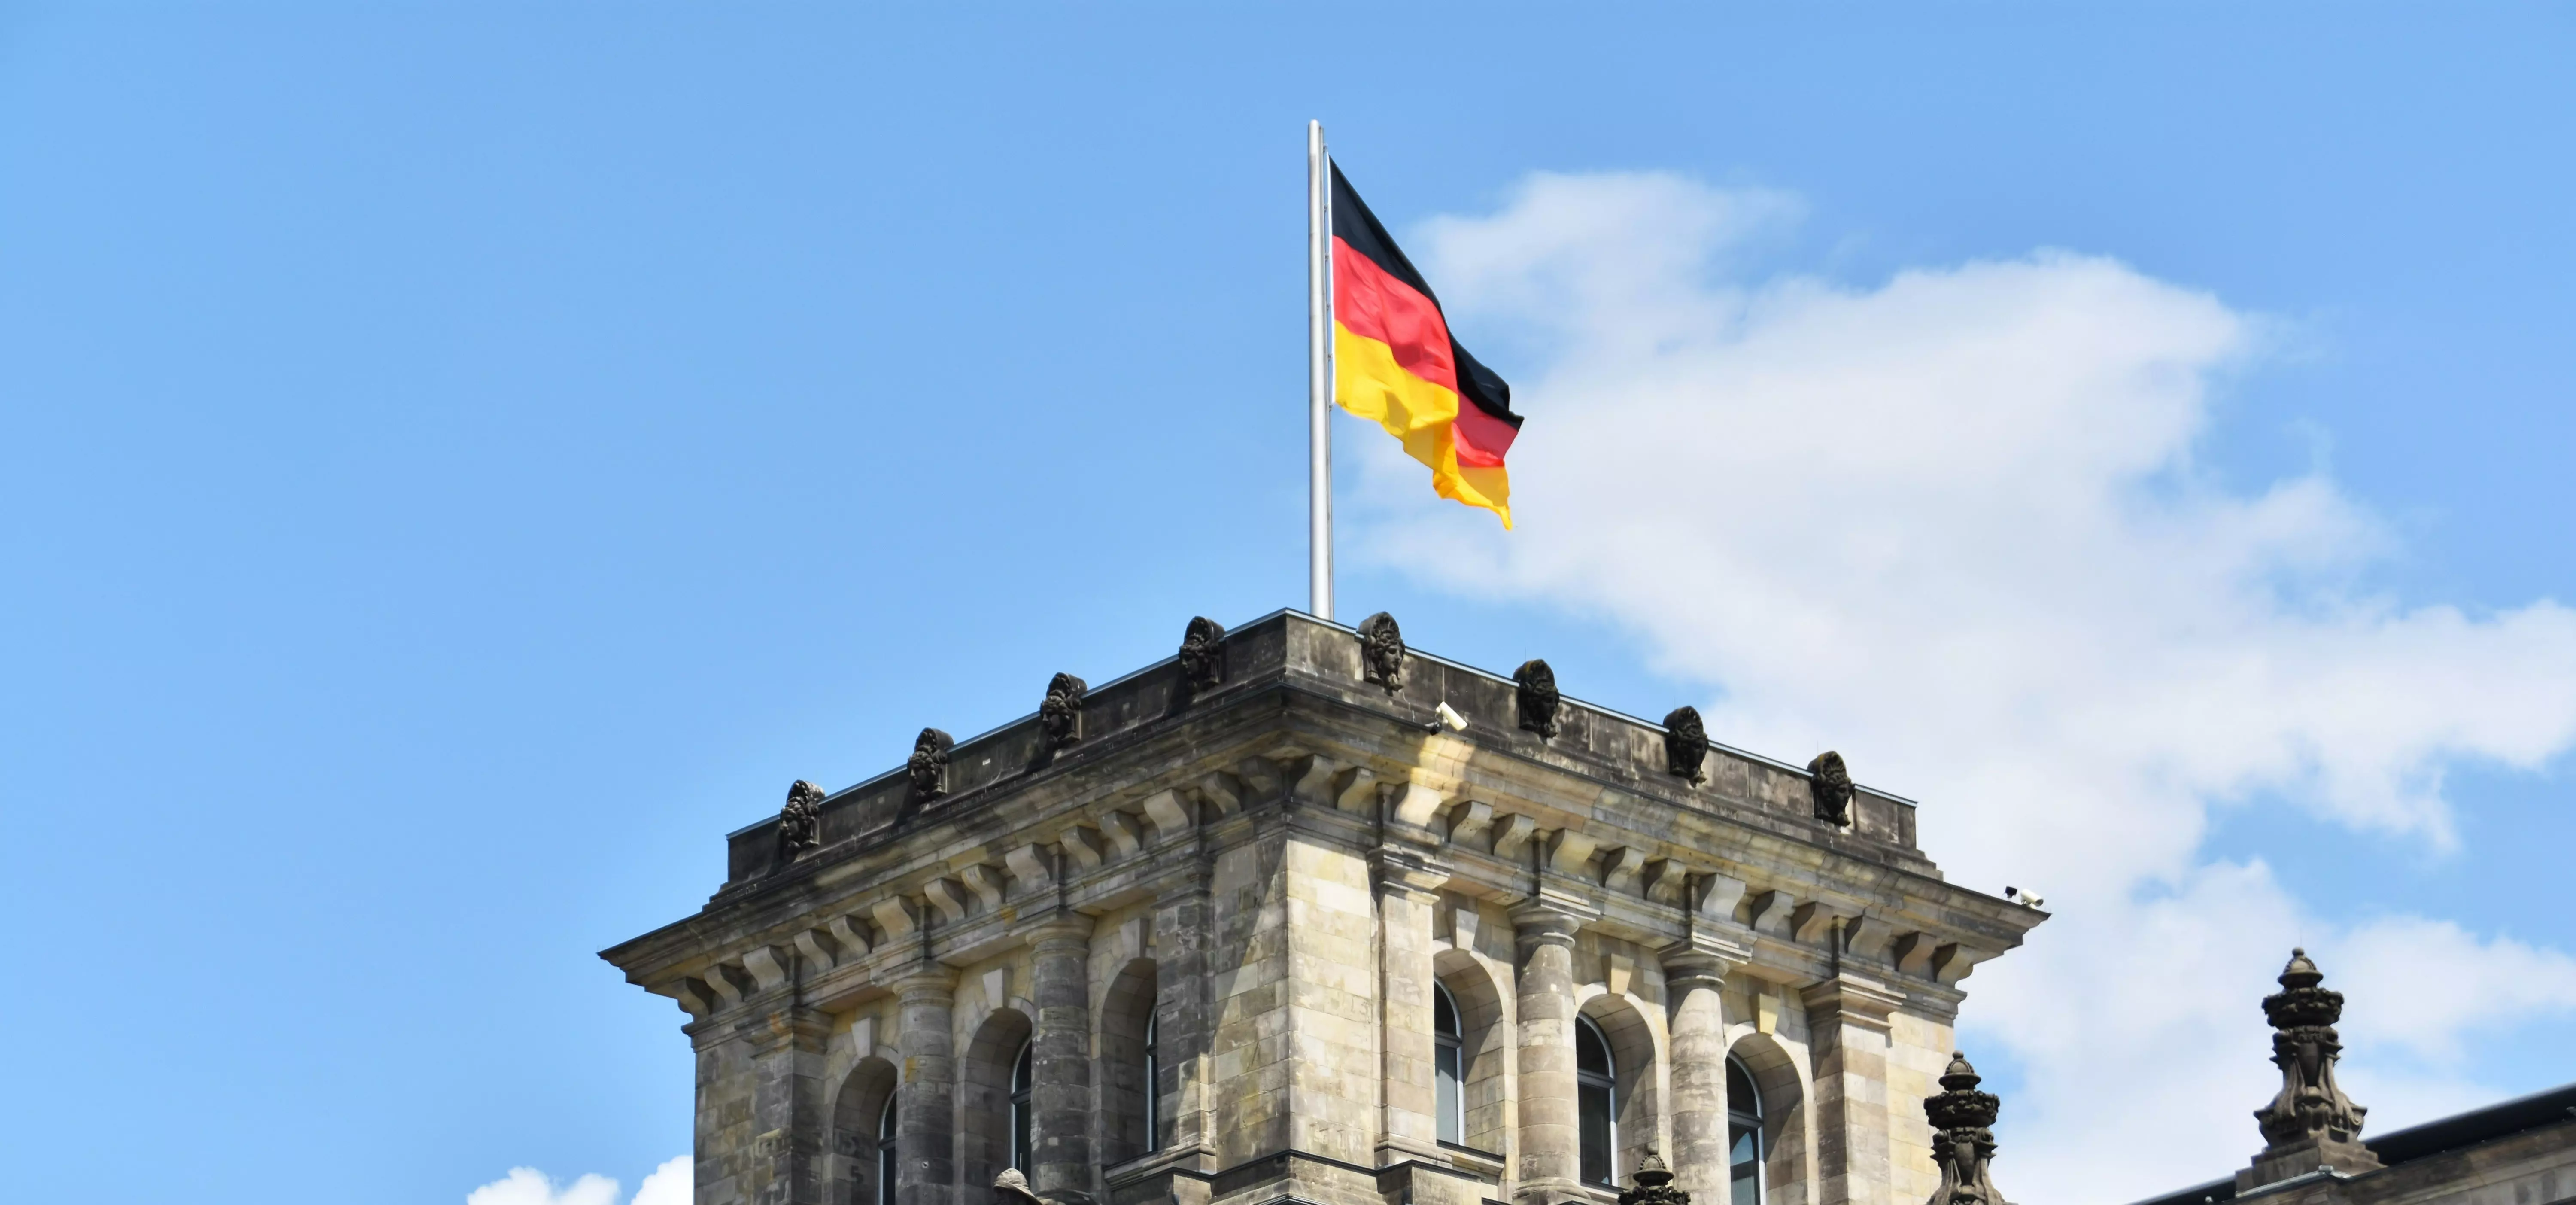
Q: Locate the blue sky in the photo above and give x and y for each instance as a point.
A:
(460, 460)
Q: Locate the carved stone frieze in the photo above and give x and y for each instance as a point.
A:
(1202, 655)
(1830, 785)
(1060, 714)
(800, 823)
(1535, 692)
(928, 766)
(1685, 744)
(1963, 1142)
(1382, 652)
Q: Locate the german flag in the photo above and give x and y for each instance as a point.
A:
(1395, 361)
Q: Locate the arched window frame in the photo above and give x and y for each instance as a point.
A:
(1744, 1135)
(1596, 1094)
(1153, 1093)
(1449, 1068)
(887, 1162)
(1023, 1075)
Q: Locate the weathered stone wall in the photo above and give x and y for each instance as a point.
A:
(1276, 868)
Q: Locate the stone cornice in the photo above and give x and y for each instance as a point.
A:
(1134, 813)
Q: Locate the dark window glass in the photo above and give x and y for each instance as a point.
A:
(1153, 1087)
(1743, 1136)
(1020, 1077)
(1448, 1066)
(1591, 1050)
(1596, 1100)
(885, 1153)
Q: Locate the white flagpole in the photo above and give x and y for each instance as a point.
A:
(1319, 377)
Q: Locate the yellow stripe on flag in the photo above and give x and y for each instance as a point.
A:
(1369, 383)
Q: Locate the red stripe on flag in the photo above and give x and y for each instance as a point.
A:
(1481, 438)
(1372, 302)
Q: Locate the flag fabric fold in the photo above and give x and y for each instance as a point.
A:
(1395, 363)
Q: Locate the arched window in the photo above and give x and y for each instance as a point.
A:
(885, 1153)
(1153, 1093)
(1743, 1136)
(1021, 1069)
(1596, 1091)
(1448, 1067)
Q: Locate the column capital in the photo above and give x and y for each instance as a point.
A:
(929, 983)
(1851, 999)
(795, 1025)
(1397, 870)
(1061, 926)
(1553, 913)
(1702, 958)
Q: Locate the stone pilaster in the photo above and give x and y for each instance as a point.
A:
(1550, 1134)
(1183, 1018)
(1060, 1096)
(1692, 977)
(787, 1108)
(724, 1131)
(925, 1135)
(1406, 899)
(1847, 1020)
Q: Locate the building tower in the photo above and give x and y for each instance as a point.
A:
(1300, 913)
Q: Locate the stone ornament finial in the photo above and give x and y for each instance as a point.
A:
(1535, 691)
(1012, 1188)
(928, 765)
(1202, 655)
(1382, 652)
(1686, 745)
(2310, 1123)
(800, 823)
(1963, 1144)
(1829, 782)
(1060, 714)
(1652, 1184)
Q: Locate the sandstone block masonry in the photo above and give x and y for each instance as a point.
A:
(1261, 923)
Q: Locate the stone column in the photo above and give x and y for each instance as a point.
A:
(1406, 895)
(1691, 981)
(787, 1107)
(925, 1141)
(1184, 1018)
(1847, 1024)
(1550, 1135)
(1060, 1096)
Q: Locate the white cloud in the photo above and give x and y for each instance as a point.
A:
(1953, 526)
(528, 1186)
(673, 1183)
(669, 1184)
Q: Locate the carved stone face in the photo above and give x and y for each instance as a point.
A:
(1382, 652)
(1202, 655)
(1060, 715)
(1831, 785)
(800, 823)
(1537, 697)
(928, 765)
(1685, 744)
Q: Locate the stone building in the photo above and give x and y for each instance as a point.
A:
(1301, 915)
